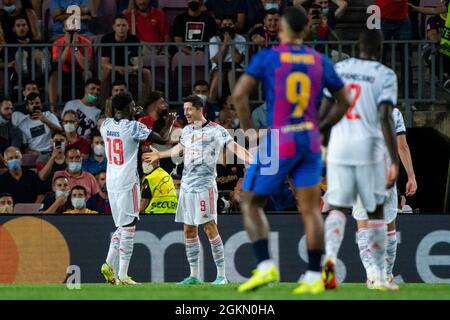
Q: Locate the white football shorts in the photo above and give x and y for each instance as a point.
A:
(125, 205)
(390, 207)
(346, 182)
(197, 208)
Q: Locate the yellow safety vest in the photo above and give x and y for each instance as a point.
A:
(164, 197)
(445, 38)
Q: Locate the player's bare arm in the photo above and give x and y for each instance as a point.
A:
(335, 114)
(156, 138)
(240, 152)
(156, 155)
(405, 157)
(240, 95)
(387, 127)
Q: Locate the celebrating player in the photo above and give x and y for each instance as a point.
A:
(355, 162)
(293, 76)
(390, 208)
(122, 136)
(201, 142)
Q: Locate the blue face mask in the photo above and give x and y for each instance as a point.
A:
(9, 8)
(14, 164)
(271, 6)
(78, 203)
(74, 166)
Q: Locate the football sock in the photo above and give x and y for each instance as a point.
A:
(391, 251)
(312, 276)
(314, 257)
(113, 248)
(376, 240)
(261, 250)
(125, 249)
(363, 246)
(192, 254)
(334, 233)
(218, 254)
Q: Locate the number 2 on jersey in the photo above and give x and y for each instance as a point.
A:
(294, 95)
(350, 88)
(115, 151)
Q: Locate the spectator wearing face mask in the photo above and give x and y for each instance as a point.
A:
(6, 203)
(226, 49)
(10, 135)
(86, 107)
(37, 125)
(70, 123)
(158, 190)
(48, 164)
(75, 174)
(99, 202)
(23, 184)
(78, 199)
(97, 161)
(58, 200)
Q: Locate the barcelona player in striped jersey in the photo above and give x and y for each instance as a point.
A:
(293, 77)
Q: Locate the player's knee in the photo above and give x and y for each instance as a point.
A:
(190, 232)
(210, 229)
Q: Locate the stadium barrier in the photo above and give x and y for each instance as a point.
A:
(419, 67)
(48, 248)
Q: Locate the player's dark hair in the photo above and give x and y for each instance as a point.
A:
(196, 101)
(120, 16)
(78, 187)
(92, 80)
(200, 83)
(296, 18)
(370, 42)
(153, 97)
(121, 101)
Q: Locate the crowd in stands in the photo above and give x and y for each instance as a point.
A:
(54, 155)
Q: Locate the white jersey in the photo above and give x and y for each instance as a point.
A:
(122, 145)
(357, 138)
(202, 147)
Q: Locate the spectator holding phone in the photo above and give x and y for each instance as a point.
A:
(36, 126)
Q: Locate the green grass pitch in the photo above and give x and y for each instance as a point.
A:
(171, 291)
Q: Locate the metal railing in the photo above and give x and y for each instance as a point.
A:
(419, 78)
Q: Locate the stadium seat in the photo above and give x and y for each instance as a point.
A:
(106, 13)
(27, 207)
(172, 8)
(29, 160)
(187, 64)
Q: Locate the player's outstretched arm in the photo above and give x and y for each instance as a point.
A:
(405, 157)
(156, 155)
(156, 138)
(241, 91)
(387, 126)
(335, 114)
(240, 152)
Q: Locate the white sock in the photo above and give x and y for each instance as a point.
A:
(312, 276)
(364, 251)
(265, 265)
(113, 248)
(376, 236)
(391, 251)
(334, 233)
(218, 255)
(125, 250)
(192, 254)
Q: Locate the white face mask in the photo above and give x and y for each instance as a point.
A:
(203, 97)
(69, 127)
(147, 167)
(270, 6)
(78, 203)
(99, 150)
(59, 193)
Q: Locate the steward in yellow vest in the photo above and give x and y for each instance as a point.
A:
(158, 191)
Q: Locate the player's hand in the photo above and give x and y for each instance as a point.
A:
(257, 39)
(38, 115)
(62, 199)
(151, 156)
(412, 7)
(411, 187)
(392, 176)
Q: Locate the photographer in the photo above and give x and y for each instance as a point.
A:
(36, 126)
(226, 48)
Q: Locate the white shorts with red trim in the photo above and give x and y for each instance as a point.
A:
(390, 207)
(125, 205)
(197, 208)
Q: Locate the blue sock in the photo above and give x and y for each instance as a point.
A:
(314, 257)
(261, 250)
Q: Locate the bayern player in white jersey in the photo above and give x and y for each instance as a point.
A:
(390, 207)
(122, 136)
(201, 143)
(355, 161)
